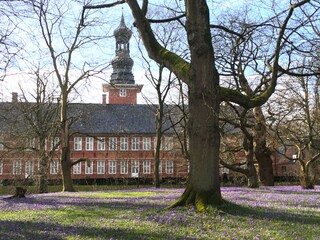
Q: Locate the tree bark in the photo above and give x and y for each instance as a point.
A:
(203, 187)
(65, 161)
(262, 152)
(43, 168)
(252, 175)
(307, 178)
(66, 170)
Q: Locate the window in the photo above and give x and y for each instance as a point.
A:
(282, 150)
(146, 166)
(122, 92)
(1, 167)
(168, 143)
(135, 168)
(123, 143)
(101, 143)
(89, 167)
(124, 167)
(54, 143)
(89, 143)
(101, 167)
(113, 143)
(29, 168)
(77, 168)
(112, 167)
(54, 167)
(135, 143)
(146, 143)
(169, 166)
(31, 143)
(77, 143)
(16, 167)
(225, 170)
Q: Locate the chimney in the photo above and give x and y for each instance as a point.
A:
(14, 97)
(104, 99)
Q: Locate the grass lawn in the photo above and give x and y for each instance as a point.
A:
(265, 213)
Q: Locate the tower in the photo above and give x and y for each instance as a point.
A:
(122, 88)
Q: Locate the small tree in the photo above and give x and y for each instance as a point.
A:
(294, 112)
(237, 137)
(64, 40)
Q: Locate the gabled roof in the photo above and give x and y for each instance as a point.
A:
(113, 118)
(94, 119)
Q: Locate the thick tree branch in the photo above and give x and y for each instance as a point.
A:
(167, 19)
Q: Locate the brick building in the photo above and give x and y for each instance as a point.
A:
(117, 136)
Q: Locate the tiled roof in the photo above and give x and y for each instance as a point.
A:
(91, 118)
(113, 119)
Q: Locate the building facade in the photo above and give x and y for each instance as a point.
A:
(116, 138)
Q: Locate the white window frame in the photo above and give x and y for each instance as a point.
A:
(168, 143)
(124, 144)
(101, 143)
(88, 167)
(54, 167)
(124, 167)
(77, 143)
(135, 167)
(29, 168)
(113, 143)
(146, 143)
(112, 167)
(135, 143)
(146, 166)
(89, 143)
(169, 167)
(122, 92)
(16, 167)
(31, 143)
(54, 142)
(76, 168)
(1, 167)
(101, 167)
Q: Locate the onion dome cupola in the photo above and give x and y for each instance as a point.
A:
(122, 63)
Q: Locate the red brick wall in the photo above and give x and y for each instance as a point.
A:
(130, 98)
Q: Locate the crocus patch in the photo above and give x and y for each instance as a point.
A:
(264, 213)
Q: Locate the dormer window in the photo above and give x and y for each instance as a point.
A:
(122, 92)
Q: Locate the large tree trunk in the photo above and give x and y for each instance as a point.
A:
(252, 175)
(159, 119)
(262, 152)
(43, 168)
(203, 187)
(43, 176)
(66, 170)
(65, 146)
(157, 159)
(307, 177)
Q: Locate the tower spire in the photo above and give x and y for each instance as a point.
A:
(122, 63)
(122, 88)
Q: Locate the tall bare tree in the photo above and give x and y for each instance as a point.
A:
(42, 116)
(237, 137)
(64, 39)
(294, 111)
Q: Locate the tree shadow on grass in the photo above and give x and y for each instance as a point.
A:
(11, 230)
(263, 213)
